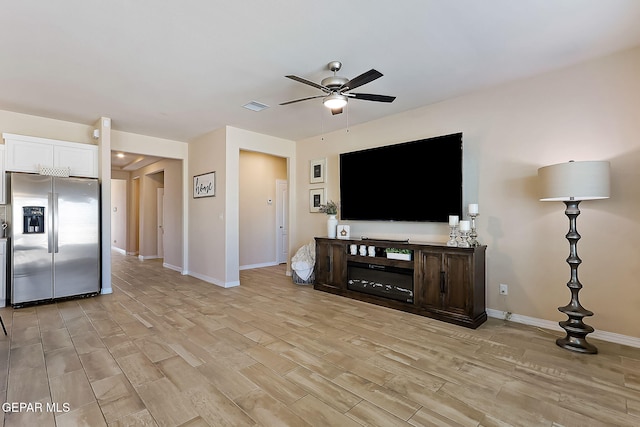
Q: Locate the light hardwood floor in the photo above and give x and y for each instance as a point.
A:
(166, 349)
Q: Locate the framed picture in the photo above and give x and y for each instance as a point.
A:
(316, 198)
(204, 185)
(317, 170)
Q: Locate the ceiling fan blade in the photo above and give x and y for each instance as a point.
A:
(362, 79)
(372, 97)
(336, 111)
(309, 82)
(303, 99)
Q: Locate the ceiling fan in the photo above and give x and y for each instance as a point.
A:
(336, 89)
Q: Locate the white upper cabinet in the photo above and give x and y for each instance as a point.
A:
(30, 154)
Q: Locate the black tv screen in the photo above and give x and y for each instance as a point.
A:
(412, 181)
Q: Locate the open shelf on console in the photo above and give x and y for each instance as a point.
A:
(381, 260)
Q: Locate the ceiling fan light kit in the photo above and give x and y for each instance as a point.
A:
(335, 101)
(335, 88)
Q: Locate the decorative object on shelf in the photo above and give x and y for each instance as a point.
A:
(395, 253)
(371, 250)
(204, 185)
(317, 170)
(453, 231)
(571, 183)
(344, 232)
(316, 199)
(363, 250)
(473, 235)
(331, 209)
(465, 228)
(332, 224)
(353, 249)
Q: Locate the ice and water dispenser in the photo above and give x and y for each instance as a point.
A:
(33, 219)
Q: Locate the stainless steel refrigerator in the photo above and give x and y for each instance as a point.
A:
(55, 237)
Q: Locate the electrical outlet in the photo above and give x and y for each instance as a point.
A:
(504, 289)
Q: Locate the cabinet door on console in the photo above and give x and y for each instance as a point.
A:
(428, 293)
(331, 263)
(458, 295)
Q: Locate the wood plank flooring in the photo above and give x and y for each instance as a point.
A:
(169, 350)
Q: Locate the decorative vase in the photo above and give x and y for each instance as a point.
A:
(332, 224)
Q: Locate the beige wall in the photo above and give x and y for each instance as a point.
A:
(207, 215)
(41, 127)
(214, 222)
(258, 175)
(586, 112)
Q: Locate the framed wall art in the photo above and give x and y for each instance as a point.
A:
(317, 198)
(317, 171)
(204, 185)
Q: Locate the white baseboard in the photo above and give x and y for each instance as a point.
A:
(145, 257)
(554, 326)
(118, 250)
(215, 281)
(172, 267)
(252, 266)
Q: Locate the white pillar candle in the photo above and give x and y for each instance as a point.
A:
(453, 220)
(465, 225)
(473, 208)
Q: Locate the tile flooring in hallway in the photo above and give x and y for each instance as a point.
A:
(166, 349)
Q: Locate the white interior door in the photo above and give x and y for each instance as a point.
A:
(282, 221)
(160, 222)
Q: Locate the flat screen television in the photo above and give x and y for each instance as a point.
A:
(412, 181)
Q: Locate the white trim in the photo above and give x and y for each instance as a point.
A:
(215, 281)
(145, 257)
(548, 324)
(106, 291)
(172, 267)
(252, 266)
(118, 250)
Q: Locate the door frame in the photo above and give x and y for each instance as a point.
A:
(282, 220)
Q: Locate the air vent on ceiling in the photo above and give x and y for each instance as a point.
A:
(255, 106)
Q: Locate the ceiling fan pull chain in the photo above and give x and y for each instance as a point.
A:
(347, 106)
(321, 125)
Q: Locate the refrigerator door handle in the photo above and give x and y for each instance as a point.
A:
(55, 223)
(50, 240)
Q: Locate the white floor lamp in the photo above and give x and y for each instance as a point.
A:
(571, 183)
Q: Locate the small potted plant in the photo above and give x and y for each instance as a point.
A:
(395, 253)
(331, 209)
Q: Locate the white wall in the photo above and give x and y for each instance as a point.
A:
(586, 112)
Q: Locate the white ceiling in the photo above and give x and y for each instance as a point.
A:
(178, 69)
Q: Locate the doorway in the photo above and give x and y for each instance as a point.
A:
(262, 210)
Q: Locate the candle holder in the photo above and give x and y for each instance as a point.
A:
(453, 233)
(473, 241)
(464, 239)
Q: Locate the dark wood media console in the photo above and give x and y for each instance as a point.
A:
(448, 282)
